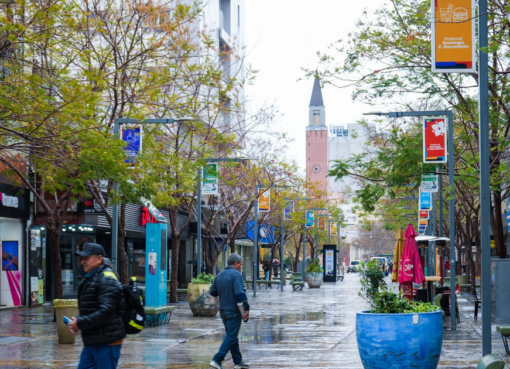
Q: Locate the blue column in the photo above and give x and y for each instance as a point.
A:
(156, 246)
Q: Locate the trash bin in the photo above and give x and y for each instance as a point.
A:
(68, 308)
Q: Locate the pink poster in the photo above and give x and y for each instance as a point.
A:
(434, 140)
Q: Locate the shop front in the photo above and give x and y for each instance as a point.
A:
(14, 213)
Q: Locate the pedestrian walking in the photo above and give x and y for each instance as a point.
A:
(228, 285)
(266, 267)
(100, 305)
(276, 267)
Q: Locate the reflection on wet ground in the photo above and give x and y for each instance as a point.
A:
(313, 328)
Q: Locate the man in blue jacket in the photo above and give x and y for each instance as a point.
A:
(228, 285)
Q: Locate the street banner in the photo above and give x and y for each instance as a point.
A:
(132, 136)
(424, 222)
(424, 214)
(333, 229)
(210, 179)
(434, 140)
(453, 36)
(265, 200)
(322, 223)
(429, 183)
(425, 201)
(289, 209)
(309, 218)
(343, 233)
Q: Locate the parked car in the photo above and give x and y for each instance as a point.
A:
(353, 267)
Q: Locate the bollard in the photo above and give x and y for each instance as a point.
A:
(63, 308)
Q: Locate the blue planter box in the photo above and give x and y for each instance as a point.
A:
(399, 341)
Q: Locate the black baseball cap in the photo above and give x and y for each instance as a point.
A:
(91, 249)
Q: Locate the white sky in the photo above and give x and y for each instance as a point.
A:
(282, 36)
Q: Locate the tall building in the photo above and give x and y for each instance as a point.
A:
(317, 140)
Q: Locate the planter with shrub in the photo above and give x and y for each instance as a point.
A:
(200, 300)
(314, 274)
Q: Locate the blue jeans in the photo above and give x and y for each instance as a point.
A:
(266, 275)
(100, 357)
(232, 321)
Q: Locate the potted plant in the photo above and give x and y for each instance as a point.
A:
(395, 332)
(200, 300)
(314, 273)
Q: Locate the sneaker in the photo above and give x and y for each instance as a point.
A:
(214, 364)
(242, 365)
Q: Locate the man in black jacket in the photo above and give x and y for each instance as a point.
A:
(100, 305)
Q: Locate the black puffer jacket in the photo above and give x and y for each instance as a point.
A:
(101, 306)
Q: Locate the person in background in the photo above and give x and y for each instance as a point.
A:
(266, 267)
(276, 267)
(228, 286)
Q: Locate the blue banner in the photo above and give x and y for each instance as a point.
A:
(309, 218)
(425, 201)
(132, 136)
(289, 209)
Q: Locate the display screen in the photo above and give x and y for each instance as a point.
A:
(10, 255)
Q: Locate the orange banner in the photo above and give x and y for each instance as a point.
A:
(264, 200)
(453, 36)
(333, 228)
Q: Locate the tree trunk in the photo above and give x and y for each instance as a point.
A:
(498, 220)
(123, 267)
(54, 244)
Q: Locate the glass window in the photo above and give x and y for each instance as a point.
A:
(316, 118)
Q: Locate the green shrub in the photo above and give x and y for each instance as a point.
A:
(203, 278)
(314, 266)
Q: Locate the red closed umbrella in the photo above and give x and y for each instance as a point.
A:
(410, 269)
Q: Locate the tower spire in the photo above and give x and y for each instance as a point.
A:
(316, 99)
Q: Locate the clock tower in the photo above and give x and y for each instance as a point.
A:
(317, 140)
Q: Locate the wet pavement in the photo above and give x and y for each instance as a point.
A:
(313, 328)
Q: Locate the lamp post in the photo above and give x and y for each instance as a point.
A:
(316, 221)
(343, 235)
(115, 206)
(451, 180)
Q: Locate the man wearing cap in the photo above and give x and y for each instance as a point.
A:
(228, 285)
(100, 305)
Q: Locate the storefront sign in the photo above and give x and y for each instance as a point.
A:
(9, 201)
(429, 183)
(132, 136)
(333, 229)
(92, 206)
(453, 36)
(210, 179)
(322, 223)
(265, 200)
(309, 218)
(434, 140)
(289, 209)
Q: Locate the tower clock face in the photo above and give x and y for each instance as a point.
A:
(316, 169)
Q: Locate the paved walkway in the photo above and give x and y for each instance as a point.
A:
(313, 328)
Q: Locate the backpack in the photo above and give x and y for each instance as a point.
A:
(134, 316)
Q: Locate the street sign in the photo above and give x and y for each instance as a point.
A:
(429, 183)
(265, 200)
(425, 201)
(210, 179)
(309, 218)
(434, 140)
(453, 36)
(132, 136)
(289, 209)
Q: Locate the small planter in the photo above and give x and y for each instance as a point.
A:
(391, 341)
(201, 302)
(314, 279)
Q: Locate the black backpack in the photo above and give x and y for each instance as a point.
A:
(134, 317)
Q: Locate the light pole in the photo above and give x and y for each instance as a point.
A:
(199, 205)
(316, 221)
(115, 206)
(343, 235)
(451, 179)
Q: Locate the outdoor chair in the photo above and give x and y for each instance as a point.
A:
(504, 330)
(437, 302)
(297, 282)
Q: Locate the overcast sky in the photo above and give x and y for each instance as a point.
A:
(282, 36)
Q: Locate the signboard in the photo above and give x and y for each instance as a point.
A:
(265, 200)
(322, 223)
(210, 179)
(289, 209)
(132, 136)
(309, 218)
(425, 201)
(508, 219)
(329, 262)
(424, 214)
(429, 183)
(333, 229)
(343, 233)
(453, 36)
(434, 140)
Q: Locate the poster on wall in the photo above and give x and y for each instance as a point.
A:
(434, 140)
(210, 179)
(34, 291)
(265, 200)
(10, 255)
(453, 36)
(41, 291)
(153, 263)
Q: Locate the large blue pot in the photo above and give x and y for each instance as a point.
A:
(399, 341)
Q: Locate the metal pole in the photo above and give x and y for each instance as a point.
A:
(329, 231)
(432, 255)
(199, 221)
(281, 251)
(256, 243)
(115, 212)
(343, 256)
(317, 235)
(304, 252)
(485, 192)
(451, 181)
(441, 219)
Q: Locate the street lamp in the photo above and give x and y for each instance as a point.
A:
(485, 263)
(115, 206)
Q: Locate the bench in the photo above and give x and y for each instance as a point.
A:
(267, 283)
(158, 315)
(504, 330)
(297, 282)
(491, 361)
(467, 286)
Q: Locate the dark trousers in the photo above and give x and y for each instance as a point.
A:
(100, 357)
(232, 321)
